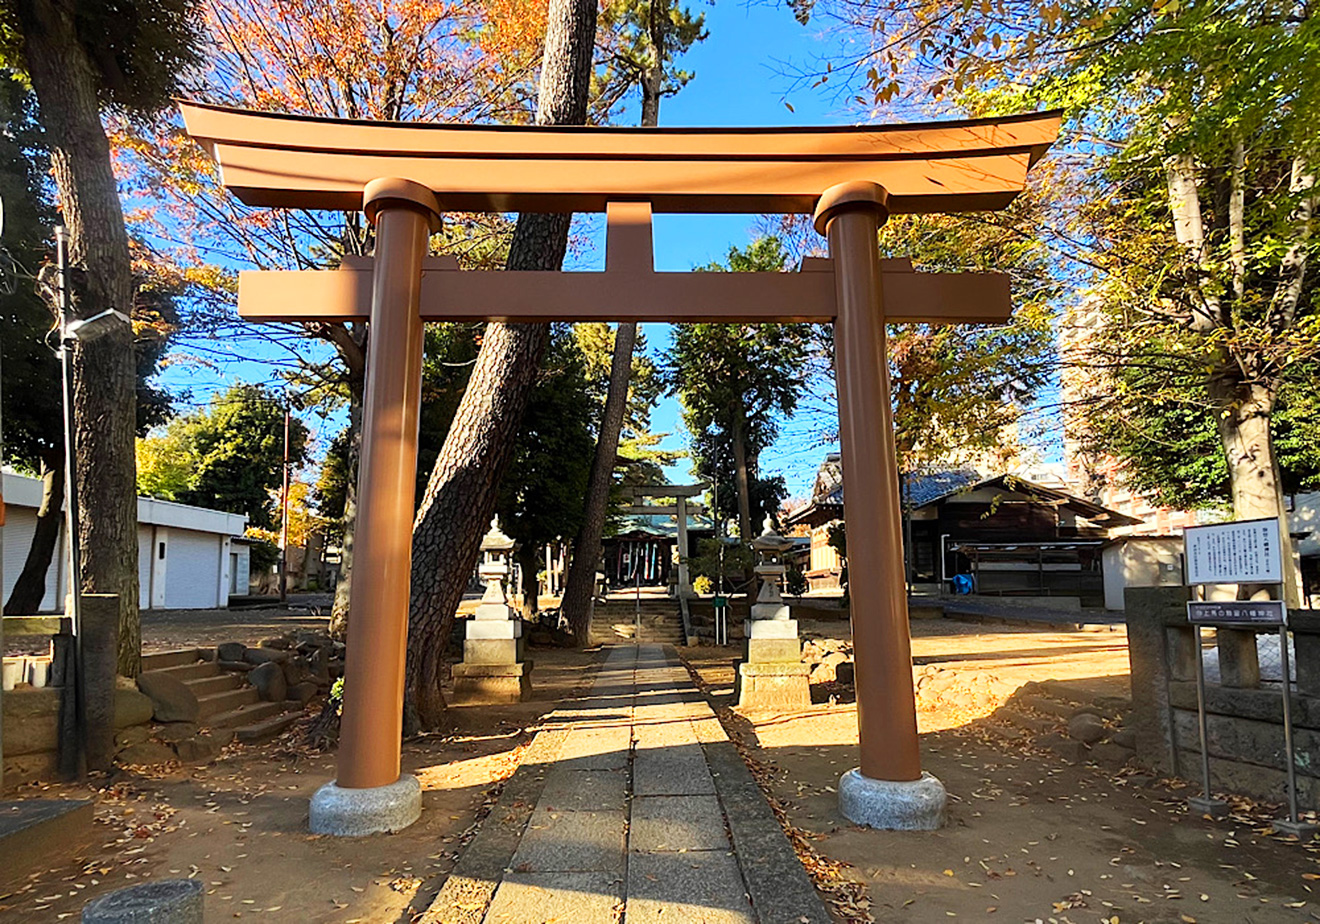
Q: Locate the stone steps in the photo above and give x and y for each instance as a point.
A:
(249, 715)
(228, 701)
(215, 683)
(266, 728)
(163, 660)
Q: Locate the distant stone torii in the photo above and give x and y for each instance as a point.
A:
(404, 175)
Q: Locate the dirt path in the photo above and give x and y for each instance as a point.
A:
(1030, 836)
(240, 823)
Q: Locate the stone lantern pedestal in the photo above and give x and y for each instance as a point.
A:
(773, 675)
(494, 669)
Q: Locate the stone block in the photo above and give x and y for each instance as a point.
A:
(132, 707)
(29, 702)
(198, 749)
(100, 651)
(572, 842)
(1307, 647)
(913, 805)
(704, 887)
(171, 699)
(264, 655)
(23, 768)
(582, 898)
(477, 684)
(131, 736)
(303, 692)
(230, 651)
(1183, 649)
(772, 650)
(1149, 612)
(490, 650)
(771, 628)
(780, 686)
(30, 734)
(493, 628)
(269, 681)
(676, 823)
(1249, 741)
(1239, 662)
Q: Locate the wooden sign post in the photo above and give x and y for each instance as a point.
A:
(405, 175)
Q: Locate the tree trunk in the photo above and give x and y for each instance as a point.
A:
(579, 591)
(739, 439)
(104, 374)
(461, 491)
(1243, 412)
(339, 609)
(25, 599)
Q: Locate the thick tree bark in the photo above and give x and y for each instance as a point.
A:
(104, 375)
(30, 588)
(528, 559)
(579, 590)
(461, 491)
(339, 609)
(1243, 412)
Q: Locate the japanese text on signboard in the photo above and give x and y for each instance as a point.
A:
(1244, 552)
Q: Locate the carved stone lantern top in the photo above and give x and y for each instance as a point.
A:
(495, 540)
(770, 541)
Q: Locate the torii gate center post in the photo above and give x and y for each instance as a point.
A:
(404, 175)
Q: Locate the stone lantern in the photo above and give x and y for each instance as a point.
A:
(493, 669)
(773, 675)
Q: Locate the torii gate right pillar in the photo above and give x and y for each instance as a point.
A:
(889, 790)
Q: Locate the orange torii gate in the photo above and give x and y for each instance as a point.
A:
(403, 175)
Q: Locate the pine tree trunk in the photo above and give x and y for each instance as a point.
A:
(25, 599)
(579, 590)
(104, 374)
(339, 609)
(461, 491)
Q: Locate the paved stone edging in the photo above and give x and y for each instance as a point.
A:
(631, 804)
(471, 885)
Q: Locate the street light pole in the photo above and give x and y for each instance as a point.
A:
(73, 763)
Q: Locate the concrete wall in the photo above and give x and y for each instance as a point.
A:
(1152, 561)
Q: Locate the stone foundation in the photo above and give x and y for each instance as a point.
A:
(486, 684)
(781, 686)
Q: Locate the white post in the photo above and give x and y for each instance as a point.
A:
(684, 588)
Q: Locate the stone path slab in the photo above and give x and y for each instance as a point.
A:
(631, 807)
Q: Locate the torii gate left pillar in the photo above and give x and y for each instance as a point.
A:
(370, 794)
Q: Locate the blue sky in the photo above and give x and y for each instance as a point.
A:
(739, 80)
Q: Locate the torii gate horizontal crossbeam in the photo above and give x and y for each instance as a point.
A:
(450, 294)
(274, 159)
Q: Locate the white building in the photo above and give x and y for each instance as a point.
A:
(188, 557)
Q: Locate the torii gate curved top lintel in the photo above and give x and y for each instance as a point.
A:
(403, 175)
(291, 161)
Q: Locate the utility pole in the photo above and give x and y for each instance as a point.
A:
(284, 511)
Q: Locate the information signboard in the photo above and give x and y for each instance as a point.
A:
(1241, 552)
(1237, 613)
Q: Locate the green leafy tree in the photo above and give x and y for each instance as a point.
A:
(227, 456)
(736, 383)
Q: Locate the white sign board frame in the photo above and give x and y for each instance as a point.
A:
(1238, 552)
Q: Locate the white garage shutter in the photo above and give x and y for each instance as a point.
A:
(192, 569)
(18, 530)
(144, 566)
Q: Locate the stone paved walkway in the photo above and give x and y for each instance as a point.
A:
(631, 805)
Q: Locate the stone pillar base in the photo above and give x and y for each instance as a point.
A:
(169, 901)
(359, 812)
(911, 805)
(777, 685)
(487, 684)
